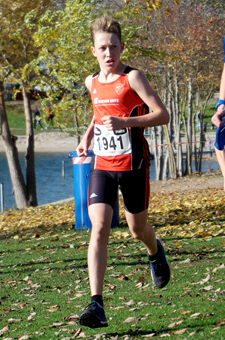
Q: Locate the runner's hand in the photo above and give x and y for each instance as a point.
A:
(217, 118)
(113, 123)
(82, 149)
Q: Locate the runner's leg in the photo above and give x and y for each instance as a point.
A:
(220, 155)
(100, 215)
(142, 230)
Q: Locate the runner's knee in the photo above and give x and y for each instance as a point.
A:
(100, 230)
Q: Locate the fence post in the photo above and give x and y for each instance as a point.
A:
(2, 196)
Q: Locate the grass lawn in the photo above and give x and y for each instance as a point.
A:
(44, 278)
(44, 285)
(16, 120)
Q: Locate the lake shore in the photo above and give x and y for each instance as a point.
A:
(59, 142)
(49, 142)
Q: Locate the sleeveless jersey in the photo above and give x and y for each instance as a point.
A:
(119, 150)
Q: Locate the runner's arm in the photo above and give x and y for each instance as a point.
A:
(82, 148)
(220, 113)
(159, 115)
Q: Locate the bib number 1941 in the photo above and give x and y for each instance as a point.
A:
(111, 143)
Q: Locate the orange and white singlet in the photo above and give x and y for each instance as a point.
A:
(118, 150)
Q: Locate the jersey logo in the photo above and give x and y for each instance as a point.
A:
(95, 91)
(119, 88)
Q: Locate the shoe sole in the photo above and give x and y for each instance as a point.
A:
(92, 321)
(157, 238)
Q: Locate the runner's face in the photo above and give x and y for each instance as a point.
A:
(107, 49)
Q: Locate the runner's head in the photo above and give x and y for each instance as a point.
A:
(104, 24)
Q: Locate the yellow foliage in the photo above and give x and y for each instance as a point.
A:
(153, 5)
(167, 11)
(179, 214)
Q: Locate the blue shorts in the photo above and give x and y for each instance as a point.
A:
(220, 138)
(134, 186)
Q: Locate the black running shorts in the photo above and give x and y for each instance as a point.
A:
(134, 186)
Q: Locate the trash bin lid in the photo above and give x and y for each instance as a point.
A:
(73, 154)
(81, 160)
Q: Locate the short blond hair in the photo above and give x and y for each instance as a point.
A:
(105, 24)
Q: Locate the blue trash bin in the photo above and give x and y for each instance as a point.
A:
(81, 176)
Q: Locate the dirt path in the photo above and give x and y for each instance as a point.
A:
(202, 181)
(48, 142)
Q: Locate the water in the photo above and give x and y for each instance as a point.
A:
(51, 186)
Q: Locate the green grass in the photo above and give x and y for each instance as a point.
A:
(210, 111)
(16, 117)
(48, 276)
(17, 124)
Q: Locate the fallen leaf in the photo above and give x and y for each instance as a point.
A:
(181, 331)
(11, 320)
(149, 335)
(206, 289)
(141, 279)
(130, 303)
(31, 317)
(131, 319)
(78, 332)
(195, 315)
(201, 282)
(174, 324)
(186, 261)
(4, 330)
(221, 323)
(52, 309)
(24, 337)
(124, 277)
(222, 266)
(185, 312)
(192, 333)
(58, 324)
(68, 292)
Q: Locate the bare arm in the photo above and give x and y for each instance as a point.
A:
(158, 116)
(217, 117)
(82, 148)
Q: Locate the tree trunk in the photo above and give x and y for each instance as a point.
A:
(9, 141)
(168, 129)
(189, 129)
(177, 122)
(201, 144)
(195, 128)
(165, 166)
(159, 153)
(30, 155)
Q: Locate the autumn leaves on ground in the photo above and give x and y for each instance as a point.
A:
(44, 278)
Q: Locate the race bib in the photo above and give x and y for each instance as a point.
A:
(111, 143)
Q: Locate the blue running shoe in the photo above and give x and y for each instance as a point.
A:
(93, 316)
(160, 267)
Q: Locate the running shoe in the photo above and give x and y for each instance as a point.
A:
(160, 267)
(93, 316)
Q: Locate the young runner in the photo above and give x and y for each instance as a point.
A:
(121, 98)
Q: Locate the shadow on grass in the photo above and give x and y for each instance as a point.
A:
(141, 332)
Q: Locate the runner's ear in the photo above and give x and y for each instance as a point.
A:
(93, 51)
